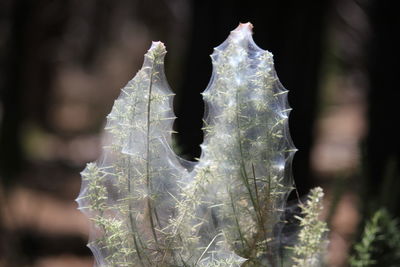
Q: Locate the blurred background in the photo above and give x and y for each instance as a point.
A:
(62, 64)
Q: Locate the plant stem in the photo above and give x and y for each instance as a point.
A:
(148, 180)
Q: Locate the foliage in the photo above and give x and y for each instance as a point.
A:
(149, 208)
(311, 239)
(380, 242)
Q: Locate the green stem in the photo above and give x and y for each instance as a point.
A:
(242, 239)
(134, 232)
(244, 176)
(148, 180)
(258, 200)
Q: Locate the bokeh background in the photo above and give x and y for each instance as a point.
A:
(63, 62)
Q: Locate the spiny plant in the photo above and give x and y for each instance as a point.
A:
(149, 209)
(311, 238)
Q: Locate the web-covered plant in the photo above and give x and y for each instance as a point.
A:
(151, 208)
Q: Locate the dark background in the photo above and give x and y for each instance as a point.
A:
(62, 64)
